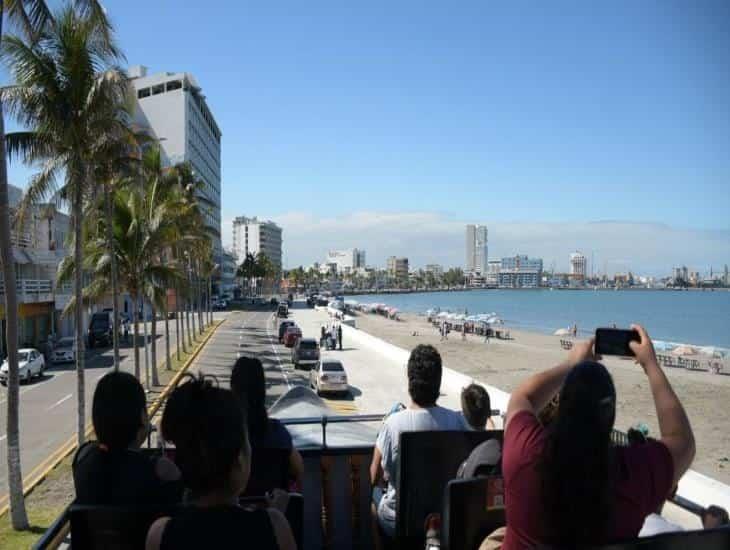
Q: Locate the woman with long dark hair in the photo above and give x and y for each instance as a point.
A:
(248, 383)
(566, 484)
(212, 450)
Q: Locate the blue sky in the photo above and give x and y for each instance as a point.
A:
(502, 113)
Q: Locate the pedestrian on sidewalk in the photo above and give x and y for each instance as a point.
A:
(339, 336)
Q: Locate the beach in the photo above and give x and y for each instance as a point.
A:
(505, 363)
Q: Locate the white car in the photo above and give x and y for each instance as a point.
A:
(30, 363)
(328, 376)
(65, 351)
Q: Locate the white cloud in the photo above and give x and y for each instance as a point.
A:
(430, 237)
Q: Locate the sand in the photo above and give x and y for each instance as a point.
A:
(505, 364)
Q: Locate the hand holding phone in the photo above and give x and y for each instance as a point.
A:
(615, 341)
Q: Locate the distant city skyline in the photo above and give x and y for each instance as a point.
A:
(548, 117)
(426, 238)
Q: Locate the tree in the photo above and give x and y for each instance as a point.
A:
(247, 269)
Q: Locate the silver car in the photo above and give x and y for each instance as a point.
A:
(329, 376)
(30, 363)
(64, 351)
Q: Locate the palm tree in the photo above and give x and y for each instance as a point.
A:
(63, 98)
(247, 270)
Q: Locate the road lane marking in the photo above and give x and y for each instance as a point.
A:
(38, 384)
(57, 403)
(278, 359)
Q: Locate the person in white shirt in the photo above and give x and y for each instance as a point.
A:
(422, 414)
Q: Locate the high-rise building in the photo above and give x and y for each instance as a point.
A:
(254, 236)
(173, 107)
(578, 266)
(347, 261)
(476, 249)
(398, 267)
(492, 276)
(520, 272)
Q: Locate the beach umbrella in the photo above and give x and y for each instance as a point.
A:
(684, 350)
(562, 332)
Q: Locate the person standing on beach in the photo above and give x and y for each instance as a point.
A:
(463, 331)
(339, 336)
(575, 330)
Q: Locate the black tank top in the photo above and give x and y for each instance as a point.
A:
(198, 528)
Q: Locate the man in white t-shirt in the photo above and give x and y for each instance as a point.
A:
(422, 414)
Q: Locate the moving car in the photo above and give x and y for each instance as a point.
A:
(292, 334)
(329, 376)
(305, 352)
(282, 329)
(64, 351)
(100, 329)
(30, 363)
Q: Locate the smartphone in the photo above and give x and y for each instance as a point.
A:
(615, 341)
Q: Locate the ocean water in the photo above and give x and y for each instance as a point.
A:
(700, 318)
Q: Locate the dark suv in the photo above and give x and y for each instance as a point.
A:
(282, 329)
(100, 329)
(305, 352)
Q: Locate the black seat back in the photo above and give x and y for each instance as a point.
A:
(711, 539)
(473, 508)
(427, 462)
(269, 470)
(110, 527)
(294, 513)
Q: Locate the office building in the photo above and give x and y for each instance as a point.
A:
(347, 261)
(174, 108)
(436, 270)
(398, 268)
(577, 266)
(476, 249)
(228, 269)
(492, 276)
(520, 272)
(680, 275)
(254, 236)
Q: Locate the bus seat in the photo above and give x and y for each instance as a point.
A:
(427, 462)
(470, 512)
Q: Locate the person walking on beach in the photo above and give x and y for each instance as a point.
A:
(463, 332)
(339, 336)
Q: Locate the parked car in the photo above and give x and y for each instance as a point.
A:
(100, 329)
(282, 310)
(30, 363)
(305, 352)
(64, 351)
(282, 329)
(329, 376)
(292, 334)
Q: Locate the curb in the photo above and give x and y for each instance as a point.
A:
(40, 472)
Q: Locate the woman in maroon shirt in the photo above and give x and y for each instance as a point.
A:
(567, 485)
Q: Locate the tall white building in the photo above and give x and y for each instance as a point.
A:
(173, 106)
(254, 236)
(347, 261)
(476, 249)
(578, 265)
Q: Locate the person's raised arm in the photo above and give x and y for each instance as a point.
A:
(674, 428)
(535, 392)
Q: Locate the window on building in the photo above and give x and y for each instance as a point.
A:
(174, 85)
(159, 89)
(144, 92)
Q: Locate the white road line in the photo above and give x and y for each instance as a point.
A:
(57, 403)
(34, 386)
(278, 359)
